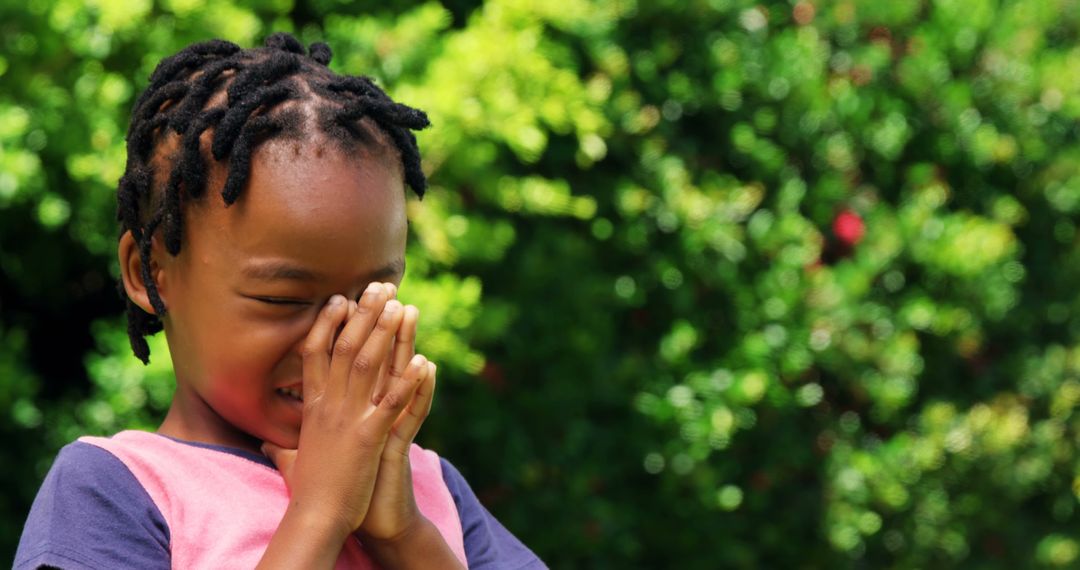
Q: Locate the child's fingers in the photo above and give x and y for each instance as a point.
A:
(355, 334)
(408, 424)
(377, 390)
(391, 290)
(373, 354)
(316, 348)
(403, 351)
(400, 393)
(283, 459)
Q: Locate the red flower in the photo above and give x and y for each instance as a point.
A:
(493, 375)
(848, 227)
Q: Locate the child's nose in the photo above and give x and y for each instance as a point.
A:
(298, 347)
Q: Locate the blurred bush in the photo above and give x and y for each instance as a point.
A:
(714, 283)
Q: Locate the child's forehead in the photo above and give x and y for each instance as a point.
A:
(312, 174)
(308, 176)
(321, 210)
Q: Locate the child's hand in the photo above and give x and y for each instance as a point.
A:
(394, 532)
(393, 512)
(332, 474)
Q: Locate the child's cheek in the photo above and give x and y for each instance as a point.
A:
(270, 328)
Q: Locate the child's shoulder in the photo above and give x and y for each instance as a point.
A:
(88, 510)
(83, 462)
(90, 468)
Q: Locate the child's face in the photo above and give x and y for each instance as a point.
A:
(250, 279)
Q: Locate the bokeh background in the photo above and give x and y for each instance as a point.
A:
(711, 283)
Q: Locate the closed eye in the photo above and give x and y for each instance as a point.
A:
(280, 301)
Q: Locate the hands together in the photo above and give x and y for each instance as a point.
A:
(366, 394)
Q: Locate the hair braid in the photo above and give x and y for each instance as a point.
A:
(192, 56)
(191, 161)
(277, 66)
(284, 42)
(240, 168)
(201, 92)
(321, 53)
(147, 266)
(229, 129)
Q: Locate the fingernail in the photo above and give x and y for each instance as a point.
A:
(418, 360)
(337, 300)
(391, 307)
(372, 294)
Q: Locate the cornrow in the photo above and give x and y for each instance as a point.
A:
(244, 97)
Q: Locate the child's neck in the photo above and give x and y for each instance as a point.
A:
(200, 424)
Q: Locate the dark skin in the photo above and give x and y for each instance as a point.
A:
(290, 292)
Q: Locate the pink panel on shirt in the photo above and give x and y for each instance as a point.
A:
(222, 509)
(434, 500)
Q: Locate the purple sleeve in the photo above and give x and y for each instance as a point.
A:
(487, 543)
(92, 513)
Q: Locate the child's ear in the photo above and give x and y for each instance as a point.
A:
(131, 272)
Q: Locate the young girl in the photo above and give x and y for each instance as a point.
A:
(263, 228)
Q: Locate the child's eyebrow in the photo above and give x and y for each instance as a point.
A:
(284, 270)
(275, 270)
(393, 269)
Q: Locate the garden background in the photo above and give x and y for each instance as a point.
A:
(711, 283)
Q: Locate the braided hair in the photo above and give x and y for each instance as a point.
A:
(245, 97)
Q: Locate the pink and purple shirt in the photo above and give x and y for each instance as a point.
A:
(143, 500)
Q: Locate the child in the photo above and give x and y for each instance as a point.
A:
(277, 306)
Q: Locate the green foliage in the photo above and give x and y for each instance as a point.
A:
(712, 283)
